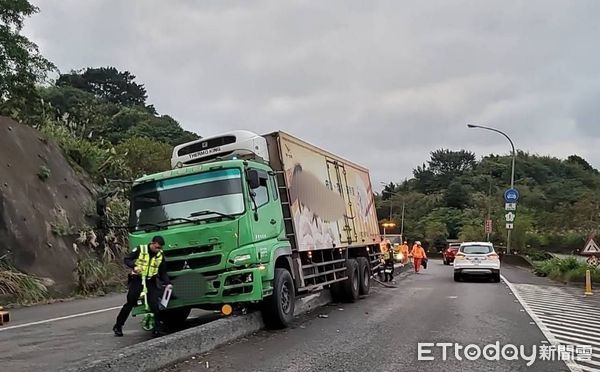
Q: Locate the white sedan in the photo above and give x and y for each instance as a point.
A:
(477, 258)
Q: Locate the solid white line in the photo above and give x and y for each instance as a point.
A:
(570, 364)
(60, 318)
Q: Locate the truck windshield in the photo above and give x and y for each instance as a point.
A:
(177, 200)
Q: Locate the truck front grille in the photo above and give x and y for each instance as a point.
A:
(192, 263)
(176, 252)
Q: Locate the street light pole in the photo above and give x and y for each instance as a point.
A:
(512, 172)
(402, 223)
(403, 207)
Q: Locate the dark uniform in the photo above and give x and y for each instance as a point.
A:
(388, 266)
(153, 266)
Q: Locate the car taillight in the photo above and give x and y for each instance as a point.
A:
(459, 256)
(492, 256)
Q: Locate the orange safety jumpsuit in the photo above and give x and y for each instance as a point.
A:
(404, 251)
(418, 254)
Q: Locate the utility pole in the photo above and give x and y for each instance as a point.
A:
(489, 216)
(512, 172)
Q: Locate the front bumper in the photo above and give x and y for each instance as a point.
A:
(480, 270)
(244, 285)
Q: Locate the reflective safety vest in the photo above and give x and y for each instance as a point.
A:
(148, 265)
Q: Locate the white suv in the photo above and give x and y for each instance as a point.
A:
(476, 258)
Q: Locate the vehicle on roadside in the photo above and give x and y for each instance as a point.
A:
(257, 220)
(449, 253)
(476, 258)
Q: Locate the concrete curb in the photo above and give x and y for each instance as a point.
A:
(157, 353)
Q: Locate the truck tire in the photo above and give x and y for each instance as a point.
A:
(365, 275)
(278, 309)
(175, 318)
(337, 292)
(351, 285)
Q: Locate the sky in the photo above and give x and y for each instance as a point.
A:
(381, 83)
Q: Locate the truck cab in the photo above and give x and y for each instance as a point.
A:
(221, 221)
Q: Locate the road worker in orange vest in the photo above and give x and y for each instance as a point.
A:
(418, 254)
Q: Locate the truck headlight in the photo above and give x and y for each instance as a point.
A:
(242, 257)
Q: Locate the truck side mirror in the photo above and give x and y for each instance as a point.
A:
(253, 179)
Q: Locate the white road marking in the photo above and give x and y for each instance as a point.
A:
(570, 364)
(59, 318)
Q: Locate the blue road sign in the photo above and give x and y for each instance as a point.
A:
(511, 196)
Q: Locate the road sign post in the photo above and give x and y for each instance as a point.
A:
(488, 228)
(511, 197)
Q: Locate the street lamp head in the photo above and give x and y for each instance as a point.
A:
(471, 126)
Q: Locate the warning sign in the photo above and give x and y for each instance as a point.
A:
(591, 247)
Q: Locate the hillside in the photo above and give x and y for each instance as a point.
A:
(43, 201)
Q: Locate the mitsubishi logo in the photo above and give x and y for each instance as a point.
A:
(185, 266)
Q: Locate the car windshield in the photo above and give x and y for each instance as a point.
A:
(183, 199)
(476, 249)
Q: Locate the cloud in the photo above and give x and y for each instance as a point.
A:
(381, 83)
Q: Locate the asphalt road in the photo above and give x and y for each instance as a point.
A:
(382, 332)
(52, 337)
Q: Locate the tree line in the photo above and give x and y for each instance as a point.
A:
(451, 195)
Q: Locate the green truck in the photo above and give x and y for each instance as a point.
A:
(258, 220)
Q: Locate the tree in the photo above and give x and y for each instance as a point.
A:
(457, 195)
(425, 180)
(108, 83)
(21, 64)
(163, 129)
(389, 190)
(582, 162)
(145, 156)
(447, 163)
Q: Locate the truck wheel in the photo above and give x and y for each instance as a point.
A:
(365, 275)
(351, 285)
(337, 292)
(278, 310)
(175, 318)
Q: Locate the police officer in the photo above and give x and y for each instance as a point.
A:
(146, 261)
(388, 267)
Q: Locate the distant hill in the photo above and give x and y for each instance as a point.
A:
(450, 195)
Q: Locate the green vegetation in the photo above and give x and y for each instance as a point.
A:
(25, 289)
(44, 173)
(451, 195)
(102, 121)
(566, 270)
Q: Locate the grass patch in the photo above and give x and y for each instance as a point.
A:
(566, 270)
(26, 289)
(43, 173)
(97, 276)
